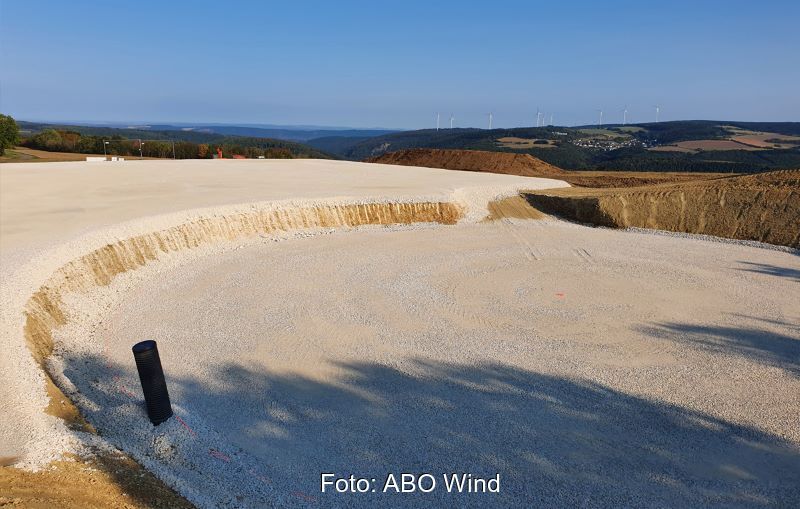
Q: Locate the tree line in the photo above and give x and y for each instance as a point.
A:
(56, 140)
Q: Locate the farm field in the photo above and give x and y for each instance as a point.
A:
(523, 143)
(697, 145)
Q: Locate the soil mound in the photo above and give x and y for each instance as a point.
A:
(524, 165)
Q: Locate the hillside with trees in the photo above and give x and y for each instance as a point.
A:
(641, 147)
(164, 144)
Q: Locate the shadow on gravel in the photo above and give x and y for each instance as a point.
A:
(772, 270)
(760, 345)
(555, 442)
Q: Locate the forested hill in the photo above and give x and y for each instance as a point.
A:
(717, 146)
(185, 144)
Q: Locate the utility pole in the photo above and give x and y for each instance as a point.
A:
(140, 148)
(173, 150)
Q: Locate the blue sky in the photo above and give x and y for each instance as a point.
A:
(395, 64)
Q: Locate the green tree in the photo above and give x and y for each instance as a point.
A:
(9, 133)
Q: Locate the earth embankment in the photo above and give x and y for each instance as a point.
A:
(763, 207)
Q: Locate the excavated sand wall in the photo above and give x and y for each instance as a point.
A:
(765, 215)
(44, 310)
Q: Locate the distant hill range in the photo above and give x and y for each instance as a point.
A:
(298, 134)
(698, 145)
(694, 146)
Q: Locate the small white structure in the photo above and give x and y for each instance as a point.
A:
(95, 159)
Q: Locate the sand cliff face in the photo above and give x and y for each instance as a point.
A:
(762, 207)
(472, 160)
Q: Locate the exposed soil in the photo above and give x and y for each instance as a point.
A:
(603, 179)
(524, 165)
(515, 207)
(764, 207)
(529, 166)
(106, 480)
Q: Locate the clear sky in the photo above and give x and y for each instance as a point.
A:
(395, 64)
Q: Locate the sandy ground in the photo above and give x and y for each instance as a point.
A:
(47, 203)
(588, 367)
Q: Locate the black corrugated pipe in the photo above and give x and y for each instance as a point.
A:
(154, 385)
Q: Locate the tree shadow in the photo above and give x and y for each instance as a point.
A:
(772, 270)
(555, 442)
(760, 345)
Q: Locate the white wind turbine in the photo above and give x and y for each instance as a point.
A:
(437, 121)
(658, 110)
(490, 121)
(538, 117)
(625, 115)
(551, 119)
(601, 118)
(451, 120)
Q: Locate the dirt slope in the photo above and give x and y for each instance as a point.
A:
(763, 207)
(528, 166)
(472, 160)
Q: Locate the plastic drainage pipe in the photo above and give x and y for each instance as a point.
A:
(154, 385)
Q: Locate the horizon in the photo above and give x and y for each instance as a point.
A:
(133, 125)
(343, 66)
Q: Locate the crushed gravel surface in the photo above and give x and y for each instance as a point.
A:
(585, 366)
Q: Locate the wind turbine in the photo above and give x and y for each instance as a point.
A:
(451, 120)
(490, 121)
(658, 110)
(601, 118)
(538, 117)
(625, 115)
(551, 119)
(437, 121)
